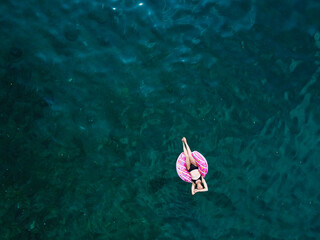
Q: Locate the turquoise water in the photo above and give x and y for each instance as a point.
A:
(96, 96)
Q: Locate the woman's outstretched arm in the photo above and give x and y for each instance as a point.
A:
(193, 189)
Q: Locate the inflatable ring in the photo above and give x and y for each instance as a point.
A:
(182, 169)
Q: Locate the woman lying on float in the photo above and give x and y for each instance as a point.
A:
(197, 169)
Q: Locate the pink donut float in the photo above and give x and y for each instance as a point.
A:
(182, 169)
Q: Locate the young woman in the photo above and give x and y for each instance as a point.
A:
(198, 182)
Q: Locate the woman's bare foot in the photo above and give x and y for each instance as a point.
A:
(184, 140)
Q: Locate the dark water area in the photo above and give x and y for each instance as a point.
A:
(95, 97)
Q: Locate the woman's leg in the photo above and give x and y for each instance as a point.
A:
(192, 160)
(187, 156)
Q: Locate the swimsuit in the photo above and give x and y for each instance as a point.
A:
(193, 167)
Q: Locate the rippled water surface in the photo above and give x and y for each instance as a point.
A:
(95, 97)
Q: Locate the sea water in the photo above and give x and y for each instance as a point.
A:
(95, 97)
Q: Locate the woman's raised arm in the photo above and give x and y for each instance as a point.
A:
(192, 189)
